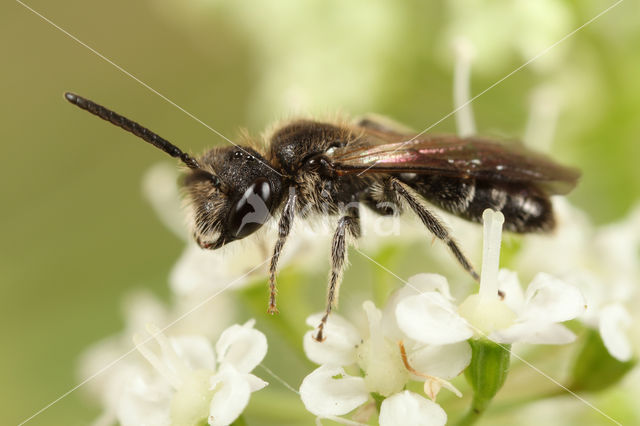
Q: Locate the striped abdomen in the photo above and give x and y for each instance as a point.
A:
(526, 208)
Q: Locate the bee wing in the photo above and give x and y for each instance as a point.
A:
(452, 156)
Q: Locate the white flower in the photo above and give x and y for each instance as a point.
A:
(387, 365)
(533, 317)
(103, 365)
(187, 385)
(602, 262)
(329, 391)
(610, 281)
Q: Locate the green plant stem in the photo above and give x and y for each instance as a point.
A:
(479, 405)
(471, 417)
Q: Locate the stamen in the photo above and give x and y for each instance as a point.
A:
(374, 319)
(432, 384)
(462, 88)
(155, 362)
(492, 228)
(173, 361)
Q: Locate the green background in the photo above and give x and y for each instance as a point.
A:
(76, 232)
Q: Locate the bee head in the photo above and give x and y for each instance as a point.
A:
(233, 190)
(232, 194)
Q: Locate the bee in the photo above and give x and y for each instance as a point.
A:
(309, 167)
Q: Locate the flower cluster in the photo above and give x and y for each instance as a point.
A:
(188, 385)
(388, 360)
(389, 363)
(186, 382)
(421, 335)
(602, 262)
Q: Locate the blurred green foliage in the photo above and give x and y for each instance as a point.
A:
(75, 232)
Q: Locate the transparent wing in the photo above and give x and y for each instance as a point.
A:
(446, 155)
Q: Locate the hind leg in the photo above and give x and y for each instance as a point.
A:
(433, 224)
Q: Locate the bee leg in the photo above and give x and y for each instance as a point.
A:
(284, 227)
(207, 245)
(433, 224)
(349, 224)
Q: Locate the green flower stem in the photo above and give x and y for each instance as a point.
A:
(378, 400)
(470, 418)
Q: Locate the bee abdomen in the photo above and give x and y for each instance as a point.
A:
(525, 207)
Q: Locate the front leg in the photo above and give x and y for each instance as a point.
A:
(349, 224)
(284, 227)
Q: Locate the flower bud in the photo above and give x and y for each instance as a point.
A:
(487, 372)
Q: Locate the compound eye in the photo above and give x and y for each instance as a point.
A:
(252, 210)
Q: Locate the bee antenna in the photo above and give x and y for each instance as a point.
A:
(133, 127)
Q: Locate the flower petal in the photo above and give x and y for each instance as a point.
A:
(380, 358)
(422, 283)
(255, 382)
(190, 403)
(614, 320)
(549, 299)
(232, 392)
(408, 408)
(145, 401)
(445, 362)
(534, 332)
(195, 269)
(594, 291)
(339, 347)
(431, 318)
(509, 284)
(142, 307)
(205, 271)
(242, 346)
(417, 284)
(161, 189)
(195, 351)
(324, 395)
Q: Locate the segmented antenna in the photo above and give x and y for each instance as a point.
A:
(133, 127)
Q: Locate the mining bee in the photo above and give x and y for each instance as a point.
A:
(309, 167)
